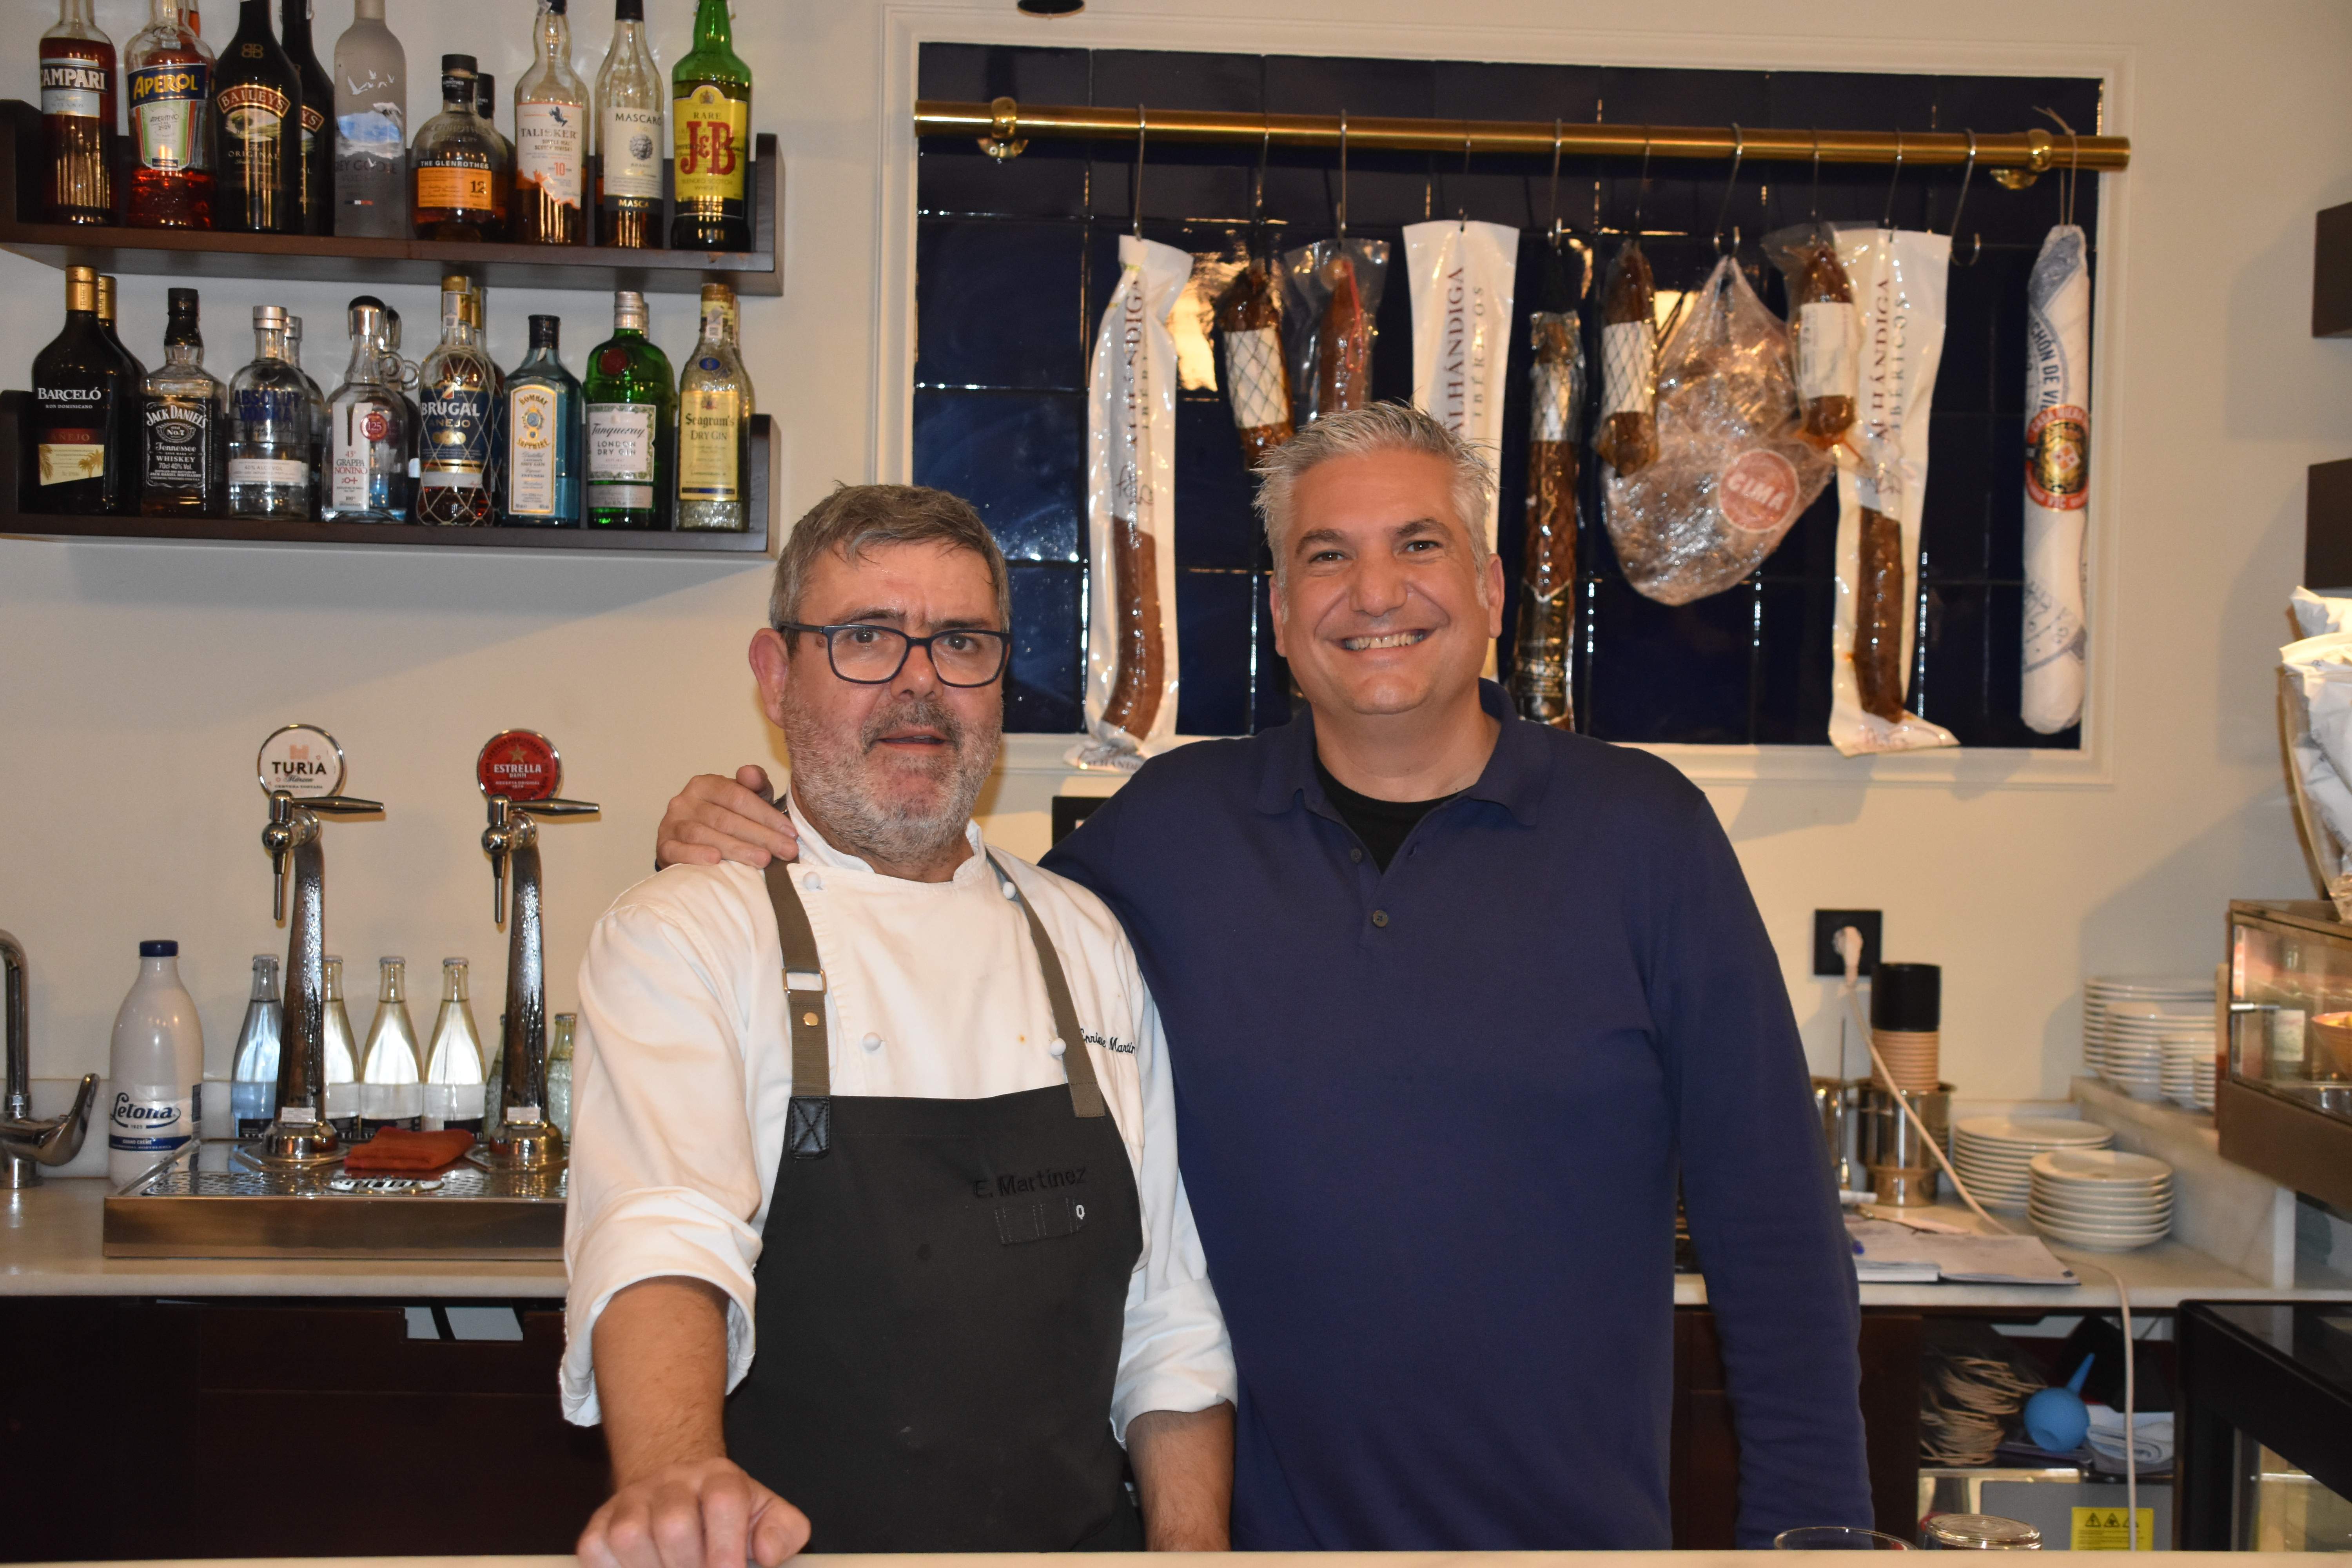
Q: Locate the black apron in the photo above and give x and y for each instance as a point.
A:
(941, 1295)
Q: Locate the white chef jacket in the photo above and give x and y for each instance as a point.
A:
(682, 1075)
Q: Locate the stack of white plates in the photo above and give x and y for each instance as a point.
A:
(2188, 1067)
(2102, 991)
(2135, 1044)
(2102, 1199)
(1994, 1154)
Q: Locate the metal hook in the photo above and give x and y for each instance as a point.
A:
(1886, 219)
(1738, 152)
(1642, 192)
(2073, 164)
(1816, 215)
(1558, 132)
(1258, 186)
(1343, 225)
(1960, 206)
(1142, 131)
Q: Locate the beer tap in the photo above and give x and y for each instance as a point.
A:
(519, 772)
(298, 1132)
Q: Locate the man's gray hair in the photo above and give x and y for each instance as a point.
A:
(1380, 427)
(855, 519)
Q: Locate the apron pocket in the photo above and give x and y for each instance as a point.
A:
(1039, 1221)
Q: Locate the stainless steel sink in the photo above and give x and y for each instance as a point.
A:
(214, 1201)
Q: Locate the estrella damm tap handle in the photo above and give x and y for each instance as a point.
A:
(552, 807)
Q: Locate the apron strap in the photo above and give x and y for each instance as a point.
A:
(808, 1127)
(1085, 1093)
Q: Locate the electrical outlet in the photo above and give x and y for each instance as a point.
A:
(1827, 923)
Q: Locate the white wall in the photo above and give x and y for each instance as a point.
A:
(138, 680)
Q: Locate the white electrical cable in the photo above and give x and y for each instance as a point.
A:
(1849, 947)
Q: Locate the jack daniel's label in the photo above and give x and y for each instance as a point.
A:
(179, 443)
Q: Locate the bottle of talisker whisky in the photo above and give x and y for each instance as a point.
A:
(83, 402)
(551, 140)
(170, 97)
(185, 413)
(456, 163)
(77, 117)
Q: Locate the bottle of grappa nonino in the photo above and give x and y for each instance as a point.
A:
(186, 412)
(368, 428)
(632, 396)
(457, 386)
(714, 424)
(270, 429)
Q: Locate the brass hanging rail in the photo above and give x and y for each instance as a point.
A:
(1003, 127)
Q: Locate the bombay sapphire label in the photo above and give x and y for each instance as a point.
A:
(167, 115)
(302, 759)
(530, 450)
(454, 437)
(521, 765)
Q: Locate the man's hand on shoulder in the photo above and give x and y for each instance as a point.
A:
(714, 819)
(705, 1513)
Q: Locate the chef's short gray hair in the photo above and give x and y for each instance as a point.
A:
(855, 519)
(1380, 427)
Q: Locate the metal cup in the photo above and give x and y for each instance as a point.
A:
(1902, 1172)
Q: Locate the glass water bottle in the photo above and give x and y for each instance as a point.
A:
(253, 1077)
(391, 1076)
(452, 1069)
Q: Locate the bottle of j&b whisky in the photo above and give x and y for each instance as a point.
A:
(456, 163)
(710, 127)
(77, 117)
(83, 402)
(257, 131)
(171, 99)
(186, 414)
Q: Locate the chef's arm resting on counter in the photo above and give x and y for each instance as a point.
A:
(678, 1501)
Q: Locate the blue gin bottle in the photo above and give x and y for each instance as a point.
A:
(545, 435)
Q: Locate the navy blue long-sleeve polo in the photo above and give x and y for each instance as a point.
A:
(1431, 1123)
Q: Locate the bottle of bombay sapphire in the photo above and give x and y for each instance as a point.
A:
(544, 436)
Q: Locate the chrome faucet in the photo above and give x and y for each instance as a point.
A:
(299, 1131)
(30, 1143)
(515, 1124)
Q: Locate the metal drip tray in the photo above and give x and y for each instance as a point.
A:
(217, 1201)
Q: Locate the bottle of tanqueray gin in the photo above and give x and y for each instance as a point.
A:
(156, 1064)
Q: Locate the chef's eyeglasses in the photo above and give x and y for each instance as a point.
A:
(868, 655)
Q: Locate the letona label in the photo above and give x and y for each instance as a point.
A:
(302, 759)
(708, 134)
(167, 115)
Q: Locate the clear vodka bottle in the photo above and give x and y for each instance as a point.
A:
(270, 433)
(317, 411)
(371, 80)
(453, 1070)
(392, 1076)
(253, 1077)
(342, 1056)
(714, 423)
(458, 388)
(368, 428)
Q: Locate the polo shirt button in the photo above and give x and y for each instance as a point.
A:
(1357, 854)
(872, 1042)
(812, 883)
(1379, 917)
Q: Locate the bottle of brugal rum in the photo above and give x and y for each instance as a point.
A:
(459, 388)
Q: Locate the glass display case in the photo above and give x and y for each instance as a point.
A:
(2266, 1400)
(2283, 1104)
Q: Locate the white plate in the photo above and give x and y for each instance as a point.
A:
(2149, 1211)
(2119, 1231)
(2112, 1165)
(2036, 1132)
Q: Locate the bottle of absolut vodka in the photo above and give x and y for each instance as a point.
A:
(342, 1056)
(186, 411)
(368, 428)
(84, 404)
(270, 429)
(457, 385)
(253, 1080)
(371, 85)
(714, 423)
(391, 1076)
(542, 421)
(452, 1069)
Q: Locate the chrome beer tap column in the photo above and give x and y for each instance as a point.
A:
(520, 773)
(301, 770)
(26, 1142)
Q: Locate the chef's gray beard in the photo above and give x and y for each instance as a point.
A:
(829, 777)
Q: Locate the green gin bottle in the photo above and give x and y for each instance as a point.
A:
(632, 397)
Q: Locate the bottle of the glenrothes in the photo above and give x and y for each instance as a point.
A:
(371, 86)
(186, 411)
(83, 405)
(318, 138)
(629, 138)
(632, 397)
(77, 117)
(257, 130)
(550, 139)
(456, 163)
(543, 426)
(710, 130)
(171, 99)
(714, 424)
(458, 384)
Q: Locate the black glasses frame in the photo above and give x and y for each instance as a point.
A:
(908, 645)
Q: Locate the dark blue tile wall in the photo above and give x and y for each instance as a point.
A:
(1015, 260)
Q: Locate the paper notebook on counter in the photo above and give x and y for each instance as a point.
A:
(1888, 1254)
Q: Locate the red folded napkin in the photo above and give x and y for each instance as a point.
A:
(396, 1150)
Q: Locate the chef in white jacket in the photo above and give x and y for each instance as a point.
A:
(876, 1237)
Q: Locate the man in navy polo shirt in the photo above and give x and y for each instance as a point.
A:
(1453, 1000)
